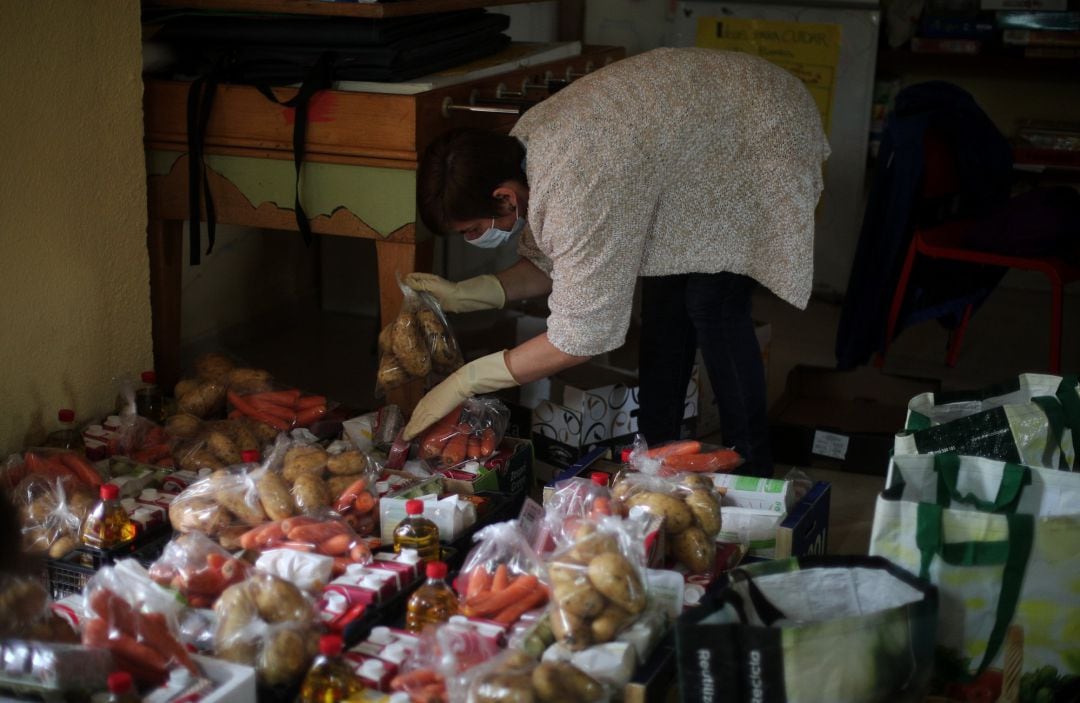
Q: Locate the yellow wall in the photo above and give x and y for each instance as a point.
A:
(74, 281)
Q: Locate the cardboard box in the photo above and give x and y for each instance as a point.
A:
(586, 407)
(841, 419)
(805, 530)
(509, 471)
(708, 417)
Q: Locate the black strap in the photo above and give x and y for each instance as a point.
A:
(200, 101)
(319, 77)
(766, 611)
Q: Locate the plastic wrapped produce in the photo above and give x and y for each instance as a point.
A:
(471, 431)
(502, 578)
(418, 342)
(51, 512)
(197, 568)
(514, 676)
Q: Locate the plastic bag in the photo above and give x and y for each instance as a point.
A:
(358, 502)
(574, 499)
(268, 623)
(471, 431)
(682, 456)
(136, 620)
(598, 584)
(327, 535)
(416, 344)
(196, 567)
(51, 512)
(502, 578)
(375, 429)
(51, 464)
(223, 506)
(27, 614)
(430, 674)
(212, 444)
(282, 408)
(515, 676)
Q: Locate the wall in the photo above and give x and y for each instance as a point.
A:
(74, 275)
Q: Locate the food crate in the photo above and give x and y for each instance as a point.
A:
(70, 573)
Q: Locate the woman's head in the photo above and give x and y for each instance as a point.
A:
(459, 175)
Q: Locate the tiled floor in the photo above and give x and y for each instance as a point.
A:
(333, 353)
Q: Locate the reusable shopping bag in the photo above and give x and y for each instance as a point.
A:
(810, 630)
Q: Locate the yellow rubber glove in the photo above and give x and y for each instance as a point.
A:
(486, 374)
(479, 293)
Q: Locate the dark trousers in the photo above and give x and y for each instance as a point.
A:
(679, 314)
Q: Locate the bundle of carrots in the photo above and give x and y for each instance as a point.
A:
(151, 448)
(52, 464)
(421, 685)
(453, 439)
(497, 595)
(331, 538)
(357, 504)
(141, 643)
(282, 410)
(687, 455)
(201, 586)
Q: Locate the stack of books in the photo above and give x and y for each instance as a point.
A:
(953, 27)
(1042, 34)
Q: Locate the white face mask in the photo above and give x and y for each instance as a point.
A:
(494, 236)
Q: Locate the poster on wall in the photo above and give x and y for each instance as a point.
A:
(810, 51)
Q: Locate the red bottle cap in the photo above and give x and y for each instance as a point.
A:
(625, 455)
(330, 645)
(436, 569)
(249, 456)
(599, 478)
(66, 415)
(149, 377)
(414, 507)
(119, 682)
(109, 491)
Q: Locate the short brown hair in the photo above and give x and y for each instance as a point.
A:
(459, 171)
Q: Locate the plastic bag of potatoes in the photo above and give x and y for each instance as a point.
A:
(513, 677)
(416, 344)
(51, 511)
(597, 581)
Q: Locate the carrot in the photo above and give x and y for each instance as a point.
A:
(259, 537)
(287, 399)
(688, 446)
(720, 460)
(417, 677)
(365, 502)
(309, 415)
(487, 442)
(145, 657)
(291, 523)
(479, 581)
(473, 451)
(310, 401)
(216, 561)
(501, 579)
(336, 545)
(235, 415)
(278, 411)
(457, 446)
(510, 614)
(81, 468)
(251, 411)
(156, 633)
(316, 533)
(491, 603)
(296, 546)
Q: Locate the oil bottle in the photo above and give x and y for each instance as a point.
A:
(108, 524)
(149, 400)
(434, 602)
(66, 435)
(417, 532)
(329, 679)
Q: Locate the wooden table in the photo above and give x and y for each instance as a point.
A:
(358, 180)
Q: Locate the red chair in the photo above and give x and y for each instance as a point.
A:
(946, 241)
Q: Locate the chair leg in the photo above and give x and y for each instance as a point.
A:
(1057, 310)
(897, 302)
(957, 337)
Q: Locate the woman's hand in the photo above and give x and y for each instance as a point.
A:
(479, 293)
(486, 374)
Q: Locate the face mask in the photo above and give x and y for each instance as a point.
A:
(494, 236)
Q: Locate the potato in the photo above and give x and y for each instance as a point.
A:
(608, 623)
(185, 386)
(234, 639)
(573, 632)
(213, 367)
(391, 372)
(279, 601)
(445, 356)
(345, 463)
(198, 458)
(39, 509)
(237, 432)
(579, 598)
(430, 324)
(677, 517)
(274, 496)
(81, 502)
(515, 659)
(36, 540)
(229, 537)
(183, 425)
(207, 398)
(246, 381)
(616, 579)
(589, 543)
(301, 460)
(693, 481)
(564, 682)
(63, 545)
(706, 510)
(409, 346)
(503, 688)
(694, 549)
(263, 433)
(198, 515)
(222, 446)
(386, 343)
(283, 658)
(237, 494)
(310, 493)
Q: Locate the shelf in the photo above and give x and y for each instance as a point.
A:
(993, 64)
(402, 8)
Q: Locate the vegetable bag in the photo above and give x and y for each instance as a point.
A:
(810, 630)
(1009, 587)
(1030, 420)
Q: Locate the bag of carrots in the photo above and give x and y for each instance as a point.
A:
(198, 569)
(471, 432)
(683, 456)
(136, 620)
(502, 577)
(417, 344)
(284, 409)
(432, 672)
(52, 464)
(325, 535)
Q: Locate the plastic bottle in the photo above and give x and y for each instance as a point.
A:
(417, 532)
(598, 503)
(121, 688)
(330, 678)
(108, 524)
(149, 400)
(434, 602)
(250, 456)
(66, 435)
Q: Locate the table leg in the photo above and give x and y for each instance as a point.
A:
(400, 258)
(165, 245)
